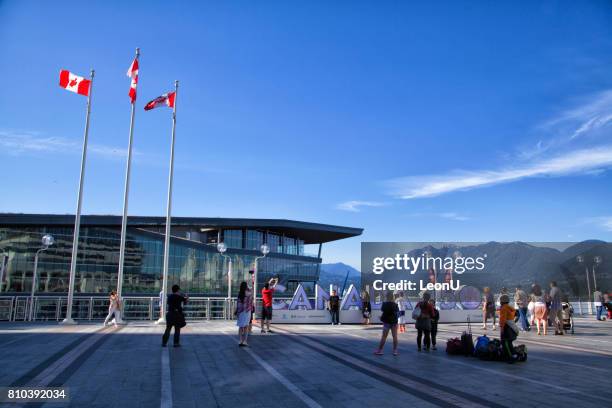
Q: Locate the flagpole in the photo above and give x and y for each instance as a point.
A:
(162, 318)
(126, 193)
(77, 218)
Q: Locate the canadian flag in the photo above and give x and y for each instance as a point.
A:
(74, 83)
(166, 99)
(133, 73)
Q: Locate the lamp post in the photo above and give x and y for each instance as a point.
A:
(47, 241)
(596, 261)
(4, 261)
(580, 260)
(222, 248)
(265, 250)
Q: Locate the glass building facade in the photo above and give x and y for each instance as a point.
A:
(194, 262)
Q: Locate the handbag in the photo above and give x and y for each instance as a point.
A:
(513, 328)
(416, 312)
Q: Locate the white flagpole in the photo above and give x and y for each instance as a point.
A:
(126, 193)
(77, 220)
(162, 318)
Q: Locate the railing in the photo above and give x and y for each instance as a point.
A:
(85, 308)
(92, 308)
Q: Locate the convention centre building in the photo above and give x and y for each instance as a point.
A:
(194, 263)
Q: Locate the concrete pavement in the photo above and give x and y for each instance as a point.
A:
(297, 366)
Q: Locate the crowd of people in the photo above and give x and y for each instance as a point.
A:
(540, 308)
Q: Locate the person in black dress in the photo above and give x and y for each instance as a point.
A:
(174, 316)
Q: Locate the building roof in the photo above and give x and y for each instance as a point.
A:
(311, 233)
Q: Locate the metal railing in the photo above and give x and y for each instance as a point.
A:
(95, 308)
(85, 308)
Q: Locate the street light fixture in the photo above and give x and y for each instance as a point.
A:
(265, 250)
(47, 241)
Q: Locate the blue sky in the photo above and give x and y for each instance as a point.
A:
(459, 121)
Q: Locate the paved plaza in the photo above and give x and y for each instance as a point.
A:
(298, 365)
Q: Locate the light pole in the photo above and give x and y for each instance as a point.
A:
(47, 241)
(580, 260)
(4, 261)
(265, 250)
(221, 247)
(596, 261)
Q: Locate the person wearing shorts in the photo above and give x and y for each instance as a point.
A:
(390, 312)
(266, 310)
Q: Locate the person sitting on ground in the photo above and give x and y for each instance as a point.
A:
(175, 317)
(266, 299)
(506, 320)
(434, 323)
(333, 305)
(423, 322)
(366, 307)
(389, 315)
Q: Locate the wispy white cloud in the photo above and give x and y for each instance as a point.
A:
(574, 162)
(603, 222)
(17, 143)
(446, 215)
(355, 205)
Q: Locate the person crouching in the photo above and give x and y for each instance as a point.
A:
(508, 328)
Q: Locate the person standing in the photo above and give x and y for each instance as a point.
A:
(522, 302)
(598, 301)
(174, 316)
(401, 305)
(266, 299)
(423, 322)
(244, 307)
(161, 304)
(389, 315)
(366, 307)
(434, 323)
(555, 295)
(114, 308)
(334, 307)
(488, 307)
(540, 311)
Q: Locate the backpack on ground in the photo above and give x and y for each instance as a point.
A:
(495, 351)
(467, 341)
(521, 352)
(454, 346)
(481, 350)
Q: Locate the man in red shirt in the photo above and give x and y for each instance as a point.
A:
(266, 298)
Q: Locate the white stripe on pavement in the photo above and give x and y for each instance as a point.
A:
(278, 376)
(166, 380)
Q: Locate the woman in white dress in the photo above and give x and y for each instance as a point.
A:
(244, 307)
(114, 308)
(401, 319)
